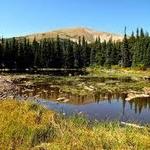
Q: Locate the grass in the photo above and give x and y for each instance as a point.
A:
(26, 125)
(119, 72)
(102, 80)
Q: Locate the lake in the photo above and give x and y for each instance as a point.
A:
(97, 106)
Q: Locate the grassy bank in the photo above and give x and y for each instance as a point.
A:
(135, 73)
(28, 126)
(24, 125)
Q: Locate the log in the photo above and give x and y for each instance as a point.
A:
(132, 125)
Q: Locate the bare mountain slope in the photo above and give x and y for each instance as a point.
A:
(74, 34)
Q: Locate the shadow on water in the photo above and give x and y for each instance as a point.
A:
(97, 106)
(46, 71)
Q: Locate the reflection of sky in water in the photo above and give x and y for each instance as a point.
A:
(116, 110)
(97, 106)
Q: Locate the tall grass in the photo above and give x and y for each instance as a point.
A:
(28, 126)
(24, 125)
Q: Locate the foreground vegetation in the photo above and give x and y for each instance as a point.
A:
(26, 125)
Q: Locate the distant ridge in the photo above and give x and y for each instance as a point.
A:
(74, 34)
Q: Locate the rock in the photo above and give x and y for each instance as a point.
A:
(88, 88)
(28, 90)
(100, 84)
(64, 114)
(111, 82)
(132, 96)
(70, 74)
(28, 83)
(10, 97)
(44, 91)
(135, 92)
(146, 90)
(66, 100)
(36, 96)
(92, 87)
(147, 78)
(60, 99)
(81, 84)
(7, 87)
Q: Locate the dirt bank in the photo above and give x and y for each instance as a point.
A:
(7, 87)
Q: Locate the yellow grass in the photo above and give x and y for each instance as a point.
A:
(26, 126)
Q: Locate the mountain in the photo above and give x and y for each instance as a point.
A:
(74, 34)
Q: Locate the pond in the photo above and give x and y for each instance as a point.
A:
(97, 106)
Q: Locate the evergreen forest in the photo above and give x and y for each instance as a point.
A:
(21, 54)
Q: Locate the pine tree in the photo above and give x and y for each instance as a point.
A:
(142, 33)
(126, 56)
(137, 33)
(58, 53)
(70, 55)
(93, 56)
(35, 48)
(109, 50)
(76, 55)
(99, 52)
(84, 52)
(147, 57)
(1, 53)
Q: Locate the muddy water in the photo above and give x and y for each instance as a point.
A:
(96, 106)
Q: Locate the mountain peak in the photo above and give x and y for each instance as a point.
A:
(74, 34)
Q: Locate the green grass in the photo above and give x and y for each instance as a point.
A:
(119, 72)
(105, 81)
(26, 125)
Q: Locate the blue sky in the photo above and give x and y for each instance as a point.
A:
(21, 17)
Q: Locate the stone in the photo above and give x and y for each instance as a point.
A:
(146, 90)
(60, 99)
(88, 88)
(132, 96)
(66, 100)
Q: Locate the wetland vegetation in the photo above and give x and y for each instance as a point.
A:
(30, 126)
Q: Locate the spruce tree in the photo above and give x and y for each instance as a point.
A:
(126, 55)
(58, 53)
(109, 49)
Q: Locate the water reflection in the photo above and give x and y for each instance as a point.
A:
(50, 92)
(139, 104)
(45, 71)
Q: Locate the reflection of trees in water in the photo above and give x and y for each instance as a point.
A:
(49, 92)
(98, 96)
(139, 104)
(46, 91)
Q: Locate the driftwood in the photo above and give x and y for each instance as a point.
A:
(132, 125)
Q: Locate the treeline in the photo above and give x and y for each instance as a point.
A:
(59, 53)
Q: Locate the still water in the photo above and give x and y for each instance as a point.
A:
(110, 107)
